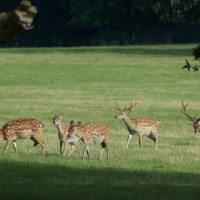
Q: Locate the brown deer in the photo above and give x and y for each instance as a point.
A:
(63, 131)
(91, 133)
(22, 129)
(138, 126)
(196, 122)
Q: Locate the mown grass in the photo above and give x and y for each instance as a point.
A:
(85, 84)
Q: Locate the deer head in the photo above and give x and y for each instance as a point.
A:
(124, 112)
(73, 128)
(57, 119)
(196, 122)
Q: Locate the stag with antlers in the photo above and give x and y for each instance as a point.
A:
(138, 126)
(196, 122)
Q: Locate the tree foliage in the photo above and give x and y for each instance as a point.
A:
(196, 54)
(89, 22)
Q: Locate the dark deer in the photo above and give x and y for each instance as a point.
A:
(196, 122)
(138, 126)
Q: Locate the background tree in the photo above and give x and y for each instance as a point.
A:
(15, 22)
(105, 22)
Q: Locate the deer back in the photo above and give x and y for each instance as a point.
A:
(143, 125)
(92, 132)
(22, 128)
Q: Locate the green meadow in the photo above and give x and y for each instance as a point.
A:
(85, 84)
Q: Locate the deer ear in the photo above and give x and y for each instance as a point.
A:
(72, 122)
(79, 123)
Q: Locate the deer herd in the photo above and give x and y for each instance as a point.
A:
(74, 133)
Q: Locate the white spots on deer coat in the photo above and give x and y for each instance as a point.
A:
(94, 133)
(22, 128)
(91, 133)
(142, 125)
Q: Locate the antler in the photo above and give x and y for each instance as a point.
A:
(183, 110)
(131, 106)
(117, 106)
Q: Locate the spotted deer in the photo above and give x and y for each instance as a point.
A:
(63, 131)
(91, 133)
(22, 129)
(196, 121)
(138, 126)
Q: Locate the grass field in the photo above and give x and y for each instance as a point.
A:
(85, 84)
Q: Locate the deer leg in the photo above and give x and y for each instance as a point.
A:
(42, 144)
(128, 139)
(61, 147)
(36, 142)
(104, 146)
(107, 152)
(140, 141)
(86, 151)
(102, 150)
(34, 145)
(155, 139)
(156, 143)
(14, 145)
(72, 150)
(64, 150)
(82, 143)
(7, 145)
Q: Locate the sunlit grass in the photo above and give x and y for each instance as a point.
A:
(84, 84)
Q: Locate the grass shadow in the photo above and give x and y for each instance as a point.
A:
(30, 180)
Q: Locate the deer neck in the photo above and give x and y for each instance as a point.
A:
(128, 123)
(59, 127)
(79, 132)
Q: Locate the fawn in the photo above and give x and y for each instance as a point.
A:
(91, 133)
(63, 131)
(22, 129)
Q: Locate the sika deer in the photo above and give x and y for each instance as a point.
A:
(196, 122)
(63, 131)
(138, 126)
(91, 133)
(22, 129)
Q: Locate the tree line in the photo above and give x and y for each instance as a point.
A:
(109, 22)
